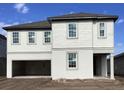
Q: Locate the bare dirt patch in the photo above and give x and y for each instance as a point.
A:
(40, 83)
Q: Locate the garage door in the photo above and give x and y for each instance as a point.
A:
(2, 66)
(26, 68)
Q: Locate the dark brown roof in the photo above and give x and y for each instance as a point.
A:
(119, 55)
(2, 37)
(82, 16)
(45, 25)
(30, 26)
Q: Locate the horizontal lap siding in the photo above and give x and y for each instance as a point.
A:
(84, 31)
(39, 46)
(85, 65)
(109, 40)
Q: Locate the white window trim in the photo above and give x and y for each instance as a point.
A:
(105, 31)
(44, 38)
(67, 61)
(12, 38)
(34, 38)
(68, 30)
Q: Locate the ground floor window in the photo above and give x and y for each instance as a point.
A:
(72, 60)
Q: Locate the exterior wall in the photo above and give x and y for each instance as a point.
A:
(86, 44)
(103, 42)
(87, 35)
(60, 69)
(39, 46)
(25, 51)
(84, 39)
(24, 56)
(119, 65)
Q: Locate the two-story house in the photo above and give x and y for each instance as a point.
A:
(71, 46)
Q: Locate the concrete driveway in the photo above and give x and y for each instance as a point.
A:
(40, 83)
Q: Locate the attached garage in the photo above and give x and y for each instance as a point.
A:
(31, 68)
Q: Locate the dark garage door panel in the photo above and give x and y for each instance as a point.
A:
(32, 68)
(2, 66)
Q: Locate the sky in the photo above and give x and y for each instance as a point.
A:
(13, 14)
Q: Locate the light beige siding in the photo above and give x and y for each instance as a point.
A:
(105, 42)
(84, 31)
(24, 46)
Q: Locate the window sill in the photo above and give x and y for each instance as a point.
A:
(102, 37)
(46, 43)
(72, 37)
(31, 43)
(72, 68)
(15, 44)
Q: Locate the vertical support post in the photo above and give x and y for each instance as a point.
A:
(111, 66)
(104, 65)
(106, 70)
(9, 68)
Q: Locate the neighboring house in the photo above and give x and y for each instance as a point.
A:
(119, 64)
(3, 48)
(72, 46)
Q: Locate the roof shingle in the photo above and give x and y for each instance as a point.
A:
(45, 25)
(30, 26)
(83, 16)
(2, 37)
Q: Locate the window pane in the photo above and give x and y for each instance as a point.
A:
(31, 36)
(47, 37)
(102, 29)
(72, 30)
(15, 37)
(101, 32)
(101, 24)
(72, 60)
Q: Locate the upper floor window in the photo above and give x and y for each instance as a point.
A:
(31, 37)
(102, 29)
(72, 30)
(15, 36)
(47, 37)
(72, 60)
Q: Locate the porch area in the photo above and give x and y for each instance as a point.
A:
(103, 66)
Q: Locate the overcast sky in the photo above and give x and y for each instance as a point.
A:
(11, 14)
